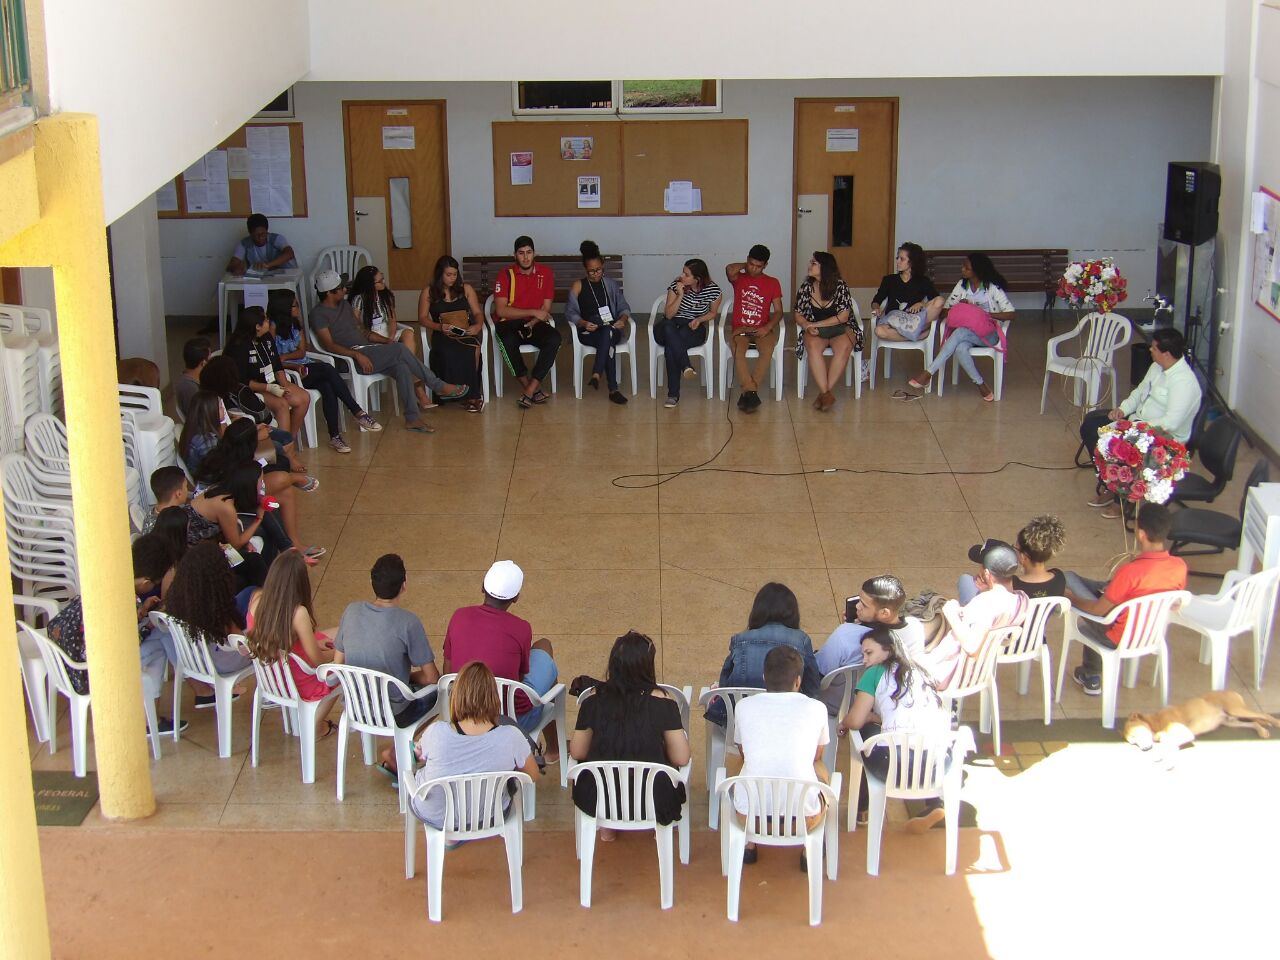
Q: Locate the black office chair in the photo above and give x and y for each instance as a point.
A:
(1218, 447)
(1217, 531)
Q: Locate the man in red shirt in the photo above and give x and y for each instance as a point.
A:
(522, 295)
(757, 314)
(504, 642)
(1152, 571)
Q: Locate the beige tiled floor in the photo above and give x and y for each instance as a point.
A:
(680, 561)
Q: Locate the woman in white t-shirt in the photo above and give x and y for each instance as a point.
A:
(471, 741)
(982, 286)
(893, 695)
(375, 306)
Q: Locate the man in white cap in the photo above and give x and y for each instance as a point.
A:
(493, 635)
(339, 332)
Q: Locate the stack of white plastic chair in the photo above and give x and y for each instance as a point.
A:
(41, 328)
(46, 443)
(21, 374)
(40, 528)
(154, 435)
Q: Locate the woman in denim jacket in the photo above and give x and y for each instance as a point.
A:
(774, 621)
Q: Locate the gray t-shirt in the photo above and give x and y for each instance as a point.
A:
(341, 323)
(447, 753)
(388, 639)
(184, 388)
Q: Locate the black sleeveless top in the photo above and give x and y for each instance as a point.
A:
(592, 297)
(456, 312)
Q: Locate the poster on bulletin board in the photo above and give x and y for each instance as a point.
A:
(1264, 222)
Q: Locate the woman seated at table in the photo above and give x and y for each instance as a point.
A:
(203, 598)
(472, 740)
(449, 309)
(907, 302)
(291, 342)
(253, 349)
(600, 314)
(894, 695)
(693, 300)
(972, 311)
(824, 312)
(629, 718)
(375, 306)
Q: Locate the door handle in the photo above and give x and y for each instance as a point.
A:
(361, 213)
(803, 210)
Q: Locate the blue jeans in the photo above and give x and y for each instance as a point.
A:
(1092, 590)
(960, 343)
(542, 676)
(677, 339)
(603, 339)
(966, 588)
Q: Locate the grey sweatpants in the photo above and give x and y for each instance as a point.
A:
(405, 368)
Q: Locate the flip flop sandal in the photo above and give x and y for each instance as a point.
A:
(525, 402)
(314, 553)
(329, 729)
(913, 382)
(420, 427)
(540, 397)
(310, 486)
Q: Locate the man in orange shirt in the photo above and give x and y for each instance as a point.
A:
(1152, 571)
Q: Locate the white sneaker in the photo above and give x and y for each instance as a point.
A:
(339, 444)
(671, 402)
(866, 371)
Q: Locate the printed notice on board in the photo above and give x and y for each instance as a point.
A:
(522, 168)
(681, 196)
(270, 170)
(398, 138)
(210, 194)
(588, 193)
(842, 140)
(576, 148)
(167, 198)
(238, 163)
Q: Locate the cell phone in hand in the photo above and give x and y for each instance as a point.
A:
(270, 503)
(457, 331)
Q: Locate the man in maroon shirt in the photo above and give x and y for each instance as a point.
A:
(502, 641)
(522, 295)
(757, 316)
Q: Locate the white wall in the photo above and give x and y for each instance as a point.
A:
(983, 163)
(168, 81)
(135, 276)
(520, 40)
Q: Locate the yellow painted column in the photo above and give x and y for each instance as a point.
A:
(71, 237)
(24, 926)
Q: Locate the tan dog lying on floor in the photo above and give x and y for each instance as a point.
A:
(1176, 726)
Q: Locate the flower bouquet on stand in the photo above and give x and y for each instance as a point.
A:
(1139, 464)
(1093, 285)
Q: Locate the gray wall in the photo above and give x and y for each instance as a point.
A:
(1078, 163)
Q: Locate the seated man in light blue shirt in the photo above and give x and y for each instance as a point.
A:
(261, 250)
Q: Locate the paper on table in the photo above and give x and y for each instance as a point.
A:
(270, 173)
(167, 197)
(256, 297)
(238, 163)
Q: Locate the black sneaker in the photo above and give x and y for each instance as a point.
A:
(753, 400)
(206, 701)
(1090, 683)
(165, 725)
(742, 401)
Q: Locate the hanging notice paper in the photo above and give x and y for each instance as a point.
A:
(238, 163)
(167, 197)
(256, 297)
(681, 196)
(398, 138)
(842, 140)
(1259, 219)
(522, 168)
(270, 173)
(217, 192)
(195, 172)
(588, 193)
(576, 148)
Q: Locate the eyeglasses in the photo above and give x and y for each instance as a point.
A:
(593, 271)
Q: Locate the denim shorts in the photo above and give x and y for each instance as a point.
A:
(542, 676)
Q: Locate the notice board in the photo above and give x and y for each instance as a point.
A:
(238, 187)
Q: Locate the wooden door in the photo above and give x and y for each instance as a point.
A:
(397, 152)
(847, 151)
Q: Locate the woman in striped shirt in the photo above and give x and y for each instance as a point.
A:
(692, 303)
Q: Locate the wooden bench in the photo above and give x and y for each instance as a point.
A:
(1028, 271)
(481, 271)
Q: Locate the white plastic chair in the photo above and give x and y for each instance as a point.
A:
(35, 677)
(499, 369)
(1145, 627)
(720, 741)
(365, 387)
(21, 371)
(366, 698)
(997, 359)
(195, 660)
(343, 258)
(41, 530)
(1029, 644)
(753, 353)
(306, 432)
(56, 665)
(624, 794)
(473, 811)
(977, 675)
(775, 818)
(924, 347)
(581, 351)
(852, 370)
(553, 703)
(40, 326)
(658, 368)
(918, 770)
(485, 347)
(276, 687)
(1244, 604)
(843, 679)
(1100, 336)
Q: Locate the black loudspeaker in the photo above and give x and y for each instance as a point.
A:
(1191, 202)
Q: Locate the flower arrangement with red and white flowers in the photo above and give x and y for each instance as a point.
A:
(1093, 285)
(1138, 462)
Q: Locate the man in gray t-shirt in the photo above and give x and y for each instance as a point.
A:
(380, 635)
(335, 327)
